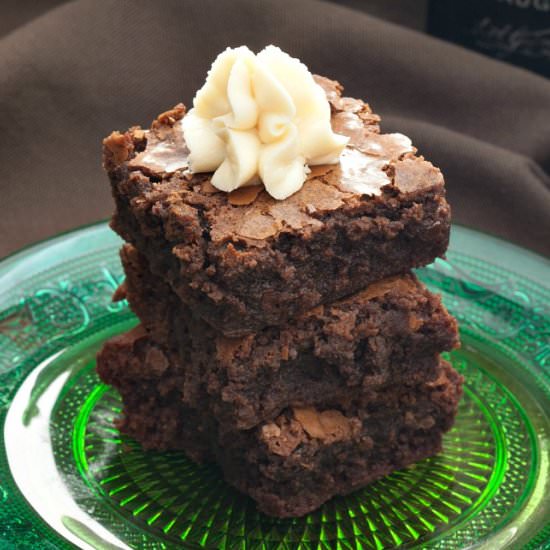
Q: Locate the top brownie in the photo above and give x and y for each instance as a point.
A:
(245, 260)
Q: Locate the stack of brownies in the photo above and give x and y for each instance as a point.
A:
(287, 341)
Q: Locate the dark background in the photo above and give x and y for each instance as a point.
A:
(73, 71)
(515, 31)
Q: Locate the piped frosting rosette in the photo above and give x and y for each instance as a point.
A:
(260, 117)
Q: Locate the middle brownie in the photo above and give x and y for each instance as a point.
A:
(388, 333)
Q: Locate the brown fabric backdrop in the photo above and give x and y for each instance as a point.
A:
(78, 71)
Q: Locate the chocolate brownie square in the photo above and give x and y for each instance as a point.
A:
(390, 332)
(302, 457)
(243, 261)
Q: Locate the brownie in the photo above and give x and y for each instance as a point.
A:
(149, 379)
(243, 261)
(302, 457)
(390, 332)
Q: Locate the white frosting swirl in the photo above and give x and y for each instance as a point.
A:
(260, 116)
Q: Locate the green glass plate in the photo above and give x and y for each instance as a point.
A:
(69, 478)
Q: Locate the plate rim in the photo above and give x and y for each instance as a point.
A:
(462, 236)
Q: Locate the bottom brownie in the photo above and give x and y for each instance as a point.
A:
(295, 462)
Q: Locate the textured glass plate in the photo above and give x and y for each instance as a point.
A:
(67, 477)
